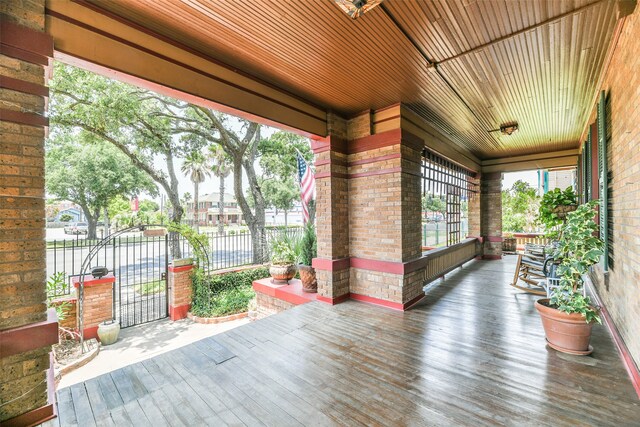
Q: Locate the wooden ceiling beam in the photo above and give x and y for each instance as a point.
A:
(554, 159)
(113, 46)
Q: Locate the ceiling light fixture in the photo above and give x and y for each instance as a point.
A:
(355, 8)
(507, 128)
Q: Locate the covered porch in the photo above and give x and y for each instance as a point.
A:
(472, 353)
(381, 97)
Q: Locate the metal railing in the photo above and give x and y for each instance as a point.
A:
(434, 234)
(125, 254)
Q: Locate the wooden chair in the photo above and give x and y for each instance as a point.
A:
(529, 270)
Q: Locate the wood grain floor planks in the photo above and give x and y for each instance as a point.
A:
(472, 353)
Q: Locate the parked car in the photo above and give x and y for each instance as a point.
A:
(431, 216)
(76, 228)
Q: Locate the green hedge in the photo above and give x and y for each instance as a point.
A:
(224, 294)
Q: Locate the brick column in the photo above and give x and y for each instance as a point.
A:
(491, 215)
(180, 289)
(26, 329)
(332, 220)
(97, 305)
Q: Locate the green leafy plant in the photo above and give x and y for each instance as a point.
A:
(57, 286)
(224, 294)
(507, 235)
(578, 249)
(198, 242)
(308, 247)
(551, 200)
(283, 250)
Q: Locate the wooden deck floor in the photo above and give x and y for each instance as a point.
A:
(472, 354)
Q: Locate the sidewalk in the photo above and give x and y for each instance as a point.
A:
(143, 342)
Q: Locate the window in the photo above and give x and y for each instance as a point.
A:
(446, 190)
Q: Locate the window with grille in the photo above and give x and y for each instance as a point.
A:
(447, 189)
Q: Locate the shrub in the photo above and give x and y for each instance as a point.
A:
(308, 245)
(224, 294)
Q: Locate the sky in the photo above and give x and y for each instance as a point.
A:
(530, 177)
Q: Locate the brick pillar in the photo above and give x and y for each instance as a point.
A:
(26, 330)
(332, 220)
(491, 215)
(97, 305)
(180, 289)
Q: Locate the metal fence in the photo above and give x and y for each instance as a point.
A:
(128, 256)
(434, 234)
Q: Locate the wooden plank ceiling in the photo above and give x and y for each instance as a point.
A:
(543, 78)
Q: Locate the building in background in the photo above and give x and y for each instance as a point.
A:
(209, 210)
(550, 179)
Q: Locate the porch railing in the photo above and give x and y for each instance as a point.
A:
(536, 238)
(442, 260)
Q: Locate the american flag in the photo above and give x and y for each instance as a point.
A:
(307, 186)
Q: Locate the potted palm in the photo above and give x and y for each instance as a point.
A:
(308, 249)
(283, 259)
(567, 317)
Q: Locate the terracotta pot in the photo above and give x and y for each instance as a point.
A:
(308, 278)
(282, 273)
(568, 333)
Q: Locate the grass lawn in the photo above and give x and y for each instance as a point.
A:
(155, 287)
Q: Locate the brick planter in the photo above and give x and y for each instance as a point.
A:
(214, 320)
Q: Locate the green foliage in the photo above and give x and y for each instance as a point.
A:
(87, 171)
(56, 286)
(279, 164)
(118, 206)
(550, 201)
(519, 207)
(578, 249)
(198, 242)
(147, 288)
(65, 218)
(148, 206)
(434, 204)
(308, 245)
(283, 250)
(224, 294)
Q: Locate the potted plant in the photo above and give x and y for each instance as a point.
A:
(554, 207)
(567, 317)
(308, 249)
(283, 258)
(509, 242)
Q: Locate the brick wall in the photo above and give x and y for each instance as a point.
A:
(491, 214)
(268, 305)
(22, 246)
(620, 292)
(98, 304)
(180, 291)
(70, 309)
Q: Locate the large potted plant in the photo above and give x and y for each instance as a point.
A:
(554, 207)
(509, 242)
(567, 317)
(283, 260)
(308, 249)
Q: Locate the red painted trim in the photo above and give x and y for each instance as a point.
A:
(491, 257)
(32, 418)
(528, 235)
(333, 301)
(30, 119)
(376, 265)
(623, 350)
(330, 264)
(109, 278)
(51, 387)
(375, 159)
(186, 48)
(378, 301)
(375, 173)
(23, 86)
(91, 332)
(181, 268)
(379, 140)
(179, 312)
(23, 55)
(493, 238)
(24, 38)
(322, 175)
(291, 293)
(29, 337)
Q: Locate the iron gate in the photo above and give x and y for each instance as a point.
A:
(141, 290)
